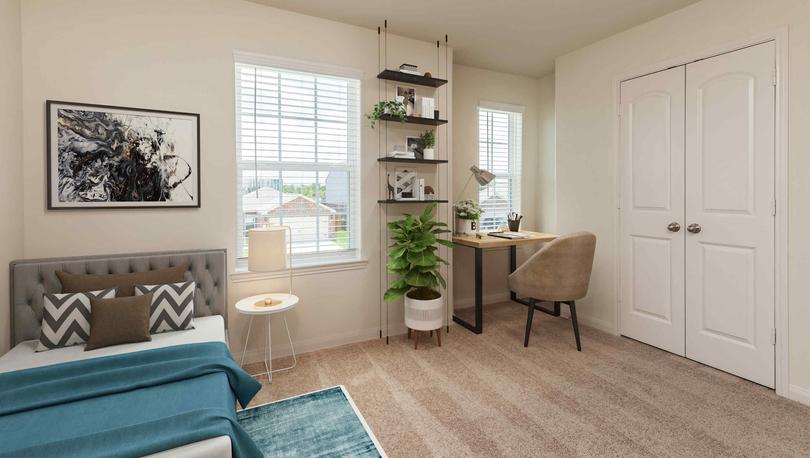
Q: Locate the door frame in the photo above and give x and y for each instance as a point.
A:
(781, 306)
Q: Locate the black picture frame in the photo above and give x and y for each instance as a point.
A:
(52, 151)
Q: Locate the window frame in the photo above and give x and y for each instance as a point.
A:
(514, 156)
(313, 259)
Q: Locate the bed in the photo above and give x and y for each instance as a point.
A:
(30, 279)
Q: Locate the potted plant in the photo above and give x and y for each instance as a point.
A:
(412, 257)
(426, 143)
(388, 107)
(467, 214)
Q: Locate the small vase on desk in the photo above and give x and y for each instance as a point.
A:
(466, 226)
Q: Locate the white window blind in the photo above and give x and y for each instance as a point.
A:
(500, 134)
(298, 143)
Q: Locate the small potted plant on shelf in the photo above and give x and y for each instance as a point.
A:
(426, 143)
(467, 214)
(413, 258)
(387, 107)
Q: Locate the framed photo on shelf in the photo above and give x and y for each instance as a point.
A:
(412, 146)
(405, 184)
(409, 98)
(101, 156)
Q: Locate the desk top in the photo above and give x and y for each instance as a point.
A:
(487, 241)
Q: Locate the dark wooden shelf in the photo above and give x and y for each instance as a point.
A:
(414, 120)
(402, 77)
(392, 201)
(412, 161)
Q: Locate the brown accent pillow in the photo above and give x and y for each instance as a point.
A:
(118, 321)
(78, 283)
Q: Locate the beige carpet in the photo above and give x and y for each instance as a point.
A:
(486, 395)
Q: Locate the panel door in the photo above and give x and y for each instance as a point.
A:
(652, 209)
(730, 101)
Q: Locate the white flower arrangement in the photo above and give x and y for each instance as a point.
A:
(468, 209)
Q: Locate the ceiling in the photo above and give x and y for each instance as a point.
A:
(514, 36)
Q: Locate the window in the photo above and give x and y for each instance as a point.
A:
(500, 131)
(298, 146)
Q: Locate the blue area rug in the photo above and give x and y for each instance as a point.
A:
(324, 423)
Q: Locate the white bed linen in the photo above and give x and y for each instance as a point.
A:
(24, 356)
(216, 447)
(206, 329)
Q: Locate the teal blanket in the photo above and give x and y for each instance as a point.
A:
(126, 405)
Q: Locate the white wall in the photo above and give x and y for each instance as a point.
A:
(11, 220)
(178, 55)
(586, 134)
(546, 185)
(473, 85)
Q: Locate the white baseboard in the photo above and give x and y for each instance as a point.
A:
(591, 322)
(309, 345)
(503, 296)
(799, 394)
(491, 298)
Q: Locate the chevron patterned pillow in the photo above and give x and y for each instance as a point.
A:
(66, 318)
(172, 306)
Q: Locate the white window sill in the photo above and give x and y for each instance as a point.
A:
(242, 275)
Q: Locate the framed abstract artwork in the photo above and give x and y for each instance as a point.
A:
(101, 156)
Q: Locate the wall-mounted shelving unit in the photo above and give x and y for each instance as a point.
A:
(403, 160)
(414, 120)
(442, 173)
(394, 201)
(402, 77)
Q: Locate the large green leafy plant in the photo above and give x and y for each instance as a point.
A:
(413, 256)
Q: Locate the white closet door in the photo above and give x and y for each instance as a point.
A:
(729, 193)
(652, 204)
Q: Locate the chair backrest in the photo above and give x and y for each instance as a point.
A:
(560, 271)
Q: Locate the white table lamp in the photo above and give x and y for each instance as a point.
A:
(267, 252)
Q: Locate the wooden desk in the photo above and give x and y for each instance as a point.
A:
(481, 244)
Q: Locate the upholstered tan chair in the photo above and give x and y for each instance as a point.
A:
(558, 273)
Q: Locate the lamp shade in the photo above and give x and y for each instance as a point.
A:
(267, 249)
(483, 177)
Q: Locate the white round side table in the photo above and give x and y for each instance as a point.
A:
(247, 306)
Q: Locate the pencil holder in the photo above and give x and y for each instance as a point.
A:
(514, 225)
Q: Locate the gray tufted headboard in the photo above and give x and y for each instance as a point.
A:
(31, 278)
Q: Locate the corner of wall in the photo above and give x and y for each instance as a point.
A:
(11, 211)
(547, 183)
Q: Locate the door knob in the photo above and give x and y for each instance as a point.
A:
(673, 227)
(693, 228)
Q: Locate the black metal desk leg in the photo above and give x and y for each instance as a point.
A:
(512, 267)
(478, 328)
(479, 292)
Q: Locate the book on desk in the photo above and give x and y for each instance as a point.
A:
(508, 235)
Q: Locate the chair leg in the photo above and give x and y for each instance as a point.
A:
(572, 306)
(529, 323)
(439, 336)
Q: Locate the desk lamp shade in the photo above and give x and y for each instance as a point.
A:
(483, 177)
(267, 249)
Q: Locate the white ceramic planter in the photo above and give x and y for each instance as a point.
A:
(428, 153)
(466, 226)
(424, 315)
